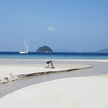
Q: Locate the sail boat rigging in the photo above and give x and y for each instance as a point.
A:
(26, 44)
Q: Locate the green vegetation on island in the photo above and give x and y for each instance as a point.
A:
(44, 49)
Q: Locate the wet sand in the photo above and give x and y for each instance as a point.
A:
(99, 68)
(11, 70)
(74, 92)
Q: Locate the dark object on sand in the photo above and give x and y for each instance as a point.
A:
(50, 64)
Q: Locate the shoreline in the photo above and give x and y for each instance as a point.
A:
(16, 69)
(40, 61)
(99, 68)
(11, 70)
(37, 59)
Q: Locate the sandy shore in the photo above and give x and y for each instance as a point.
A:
(11, 70)
(75, 89)
(77, 92)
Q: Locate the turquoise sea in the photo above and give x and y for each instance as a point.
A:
(56, 55)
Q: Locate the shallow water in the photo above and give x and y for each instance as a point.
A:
(55, 55)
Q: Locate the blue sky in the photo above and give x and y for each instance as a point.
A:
(64, 25)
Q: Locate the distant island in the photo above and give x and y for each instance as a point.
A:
(44, 49)
(103, 50)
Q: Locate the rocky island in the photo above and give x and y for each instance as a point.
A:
(44, 49)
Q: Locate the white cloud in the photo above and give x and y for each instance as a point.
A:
(53, 29)
(50, 28)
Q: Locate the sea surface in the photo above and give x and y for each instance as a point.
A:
(56, 55)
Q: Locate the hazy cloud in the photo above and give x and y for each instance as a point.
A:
(50, 28)
(53, 29)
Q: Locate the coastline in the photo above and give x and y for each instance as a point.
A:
(11, 70)
(20, 61)
(99, 71)
(98, 68)
(16, 69)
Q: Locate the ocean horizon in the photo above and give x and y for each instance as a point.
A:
(54, 55)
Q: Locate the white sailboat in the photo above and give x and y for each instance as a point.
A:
(26, 44)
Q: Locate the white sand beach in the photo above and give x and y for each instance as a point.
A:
(10, 72)
(77, 92)
(75, 89)
(53, 53)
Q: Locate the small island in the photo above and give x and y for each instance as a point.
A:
(44, 49)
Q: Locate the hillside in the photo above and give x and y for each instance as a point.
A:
(103, 50)
(44, 49)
